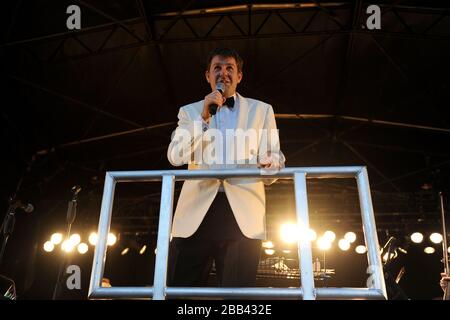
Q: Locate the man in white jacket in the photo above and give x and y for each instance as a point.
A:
(222, 221)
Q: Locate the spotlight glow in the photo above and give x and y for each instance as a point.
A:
(56, 238)
(436, 237)
(144, 247)
(267, 244)
(361, 249)
(306, 235)
(75, 239)
(329, 236)
(289, 232)
(93, 238)
(269, 252)
(124, 251)
(67, 246)
(429, 250)
(49, 246)
(82, 248)
(344, 244)
(111, 239)
(417, 237)
(323, 243)
(350, 237)
(311, 235)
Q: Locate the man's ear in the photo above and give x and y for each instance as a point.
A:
(207, 76)
(240, 76)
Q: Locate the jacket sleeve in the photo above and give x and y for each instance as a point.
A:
(270, 145)
(186, 139)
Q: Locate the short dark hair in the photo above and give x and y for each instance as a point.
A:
(226, 53)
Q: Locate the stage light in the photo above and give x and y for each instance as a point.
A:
(287, 251)
(144, 247)
(417, 237)
(67, 246)
(323, 243)
(82, 248)
(49, 246)
(361, 249)
(292, 233)
(344, 244)
(75, 239)
(111, 239)
(350, 237)
(448, 249)
(56, 238)
(436, 237)
(329, 236)
(429, 250)
(124, 251)
(267, 244)
(311, 235)
(269, 252)
(93, 238)
(306, 235)
(289, 232)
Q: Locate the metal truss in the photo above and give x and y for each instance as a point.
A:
(247, 21)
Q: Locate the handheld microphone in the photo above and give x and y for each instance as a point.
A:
(213, 107)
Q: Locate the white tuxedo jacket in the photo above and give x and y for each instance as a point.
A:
(246, 196)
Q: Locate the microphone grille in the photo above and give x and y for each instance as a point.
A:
(220, 86)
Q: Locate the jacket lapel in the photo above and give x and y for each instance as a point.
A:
(243, 112)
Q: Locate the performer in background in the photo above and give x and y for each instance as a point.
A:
(221, 221)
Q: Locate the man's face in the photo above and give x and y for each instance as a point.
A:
(224, 70)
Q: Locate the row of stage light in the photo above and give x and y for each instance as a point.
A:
(73, 242)
(289, 234)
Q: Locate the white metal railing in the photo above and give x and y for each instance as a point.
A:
(376, 286)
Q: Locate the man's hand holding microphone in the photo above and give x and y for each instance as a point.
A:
(213, 102)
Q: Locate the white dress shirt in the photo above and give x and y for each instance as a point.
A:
(225, 118)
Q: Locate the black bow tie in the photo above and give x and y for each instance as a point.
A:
(229, 102)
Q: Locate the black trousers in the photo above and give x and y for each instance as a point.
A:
(218, 240)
